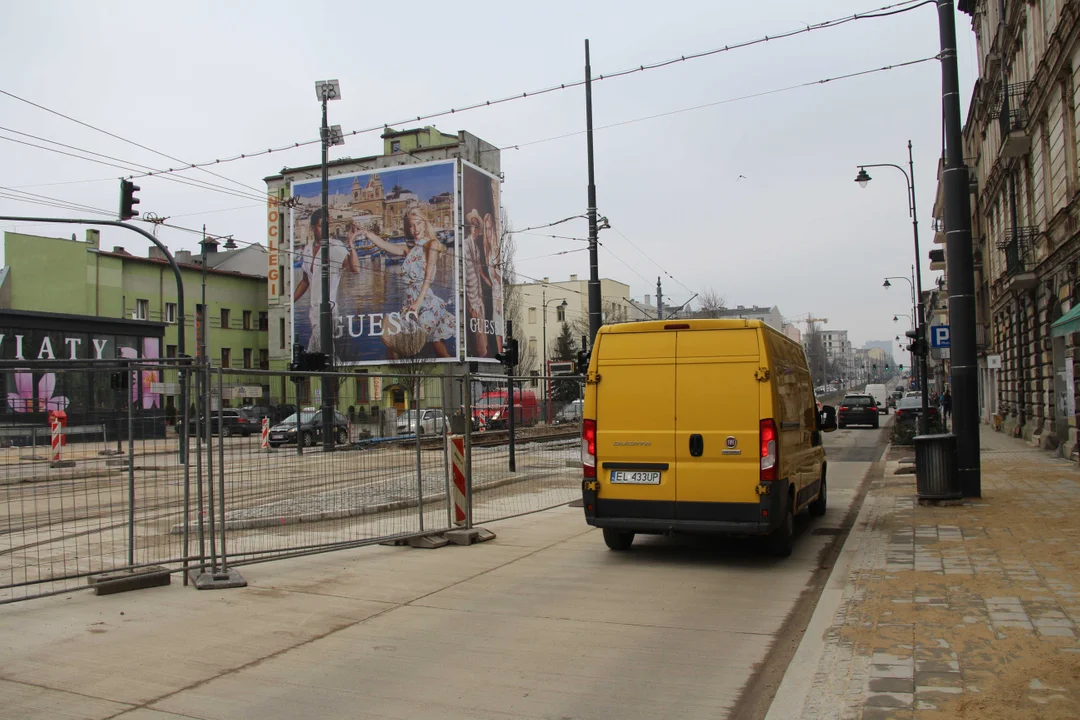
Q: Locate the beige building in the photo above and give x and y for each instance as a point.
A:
(541, 304)
(1022, 148)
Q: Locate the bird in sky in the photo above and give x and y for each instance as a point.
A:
(741, 177)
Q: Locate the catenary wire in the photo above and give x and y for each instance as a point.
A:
(884, 11)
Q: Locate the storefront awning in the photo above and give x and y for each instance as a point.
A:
(1067, 324)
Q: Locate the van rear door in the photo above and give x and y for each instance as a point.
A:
(718, 424)
(635, 425)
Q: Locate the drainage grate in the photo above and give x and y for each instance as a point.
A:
(827, 531)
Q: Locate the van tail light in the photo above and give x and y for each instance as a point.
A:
(769, 465)
(588, 448)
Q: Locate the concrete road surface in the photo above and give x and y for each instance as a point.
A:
(543, 622)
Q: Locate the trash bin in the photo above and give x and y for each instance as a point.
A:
(936, 476)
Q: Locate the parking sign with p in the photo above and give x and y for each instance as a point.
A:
(939, 336)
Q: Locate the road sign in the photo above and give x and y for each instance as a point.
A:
(165, 388)
(939, 336)
(247, 391)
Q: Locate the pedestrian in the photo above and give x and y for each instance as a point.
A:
(946, 405)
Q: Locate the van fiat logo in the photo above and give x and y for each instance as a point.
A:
(731, 441)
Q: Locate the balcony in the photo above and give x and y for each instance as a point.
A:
(1019, 258)
(937, 259)
(1011, 108)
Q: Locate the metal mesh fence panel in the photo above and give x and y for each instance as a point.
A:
(286, 491)
(91, 474)
(541, 468)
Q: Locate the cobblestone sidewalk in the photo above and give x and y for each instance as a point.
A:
(962, 612)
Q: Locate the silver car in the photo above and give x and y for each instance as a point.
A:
(431, 421)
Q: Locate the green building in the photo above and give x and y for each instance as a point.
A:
(78, 278)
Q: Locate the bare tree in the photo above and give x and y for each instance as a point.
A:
(610, 313)
(513, 302)
(710, 304)
(815, 354)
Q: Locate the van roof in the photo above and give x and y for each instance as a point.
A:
(683, 324)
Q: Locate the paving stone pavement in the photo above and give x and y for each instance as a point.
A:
(961, 612)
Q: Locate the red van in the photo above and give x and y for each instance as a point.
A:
(492, 412)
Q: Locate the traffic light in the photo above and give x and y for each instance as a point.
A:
(918, 344)
(581, 367)
(509, 354)
(886, 367)
(128, 201)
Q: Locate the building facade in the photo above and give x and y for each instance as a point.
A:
(70, 277)
(1021, 145)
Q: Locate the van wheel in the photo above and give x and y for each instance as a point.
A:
(782, 539)
(817, 507)
(618, 540)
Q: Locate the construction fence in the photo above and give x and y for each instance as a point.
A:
(104, 472)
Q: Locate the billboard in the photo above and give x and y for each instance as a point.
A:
(484, 325)
(393, 264)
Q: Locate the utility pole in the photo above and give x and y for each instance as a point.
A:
(328, 90)
(659, 300)
(594, 267)
(961, 270)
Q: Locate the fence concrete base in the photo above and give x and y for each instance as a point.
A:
(62, 464)
(428, 542)
(125, 580)
(220, 580)
(469, 536)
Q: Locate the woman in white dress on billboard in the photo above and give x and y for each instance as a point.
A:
(475, 278)
(495, 273)
(421, 251)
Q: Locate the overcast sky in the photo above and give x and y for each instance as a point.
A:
(203, 80)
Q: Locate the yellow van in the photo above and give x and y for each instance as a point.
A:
(701, 426)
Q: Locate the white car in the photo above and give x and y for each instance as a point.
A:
(431, 421)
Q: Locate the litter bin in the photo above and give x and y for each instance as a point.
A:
(936, 476)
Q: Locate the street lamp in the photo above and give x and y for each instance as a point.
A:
(544, 365)
(863, 179)
(326, 90)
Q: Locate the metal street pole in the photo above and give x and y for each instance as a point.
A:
(594, 267)
(960, 264)
(924, 417)
(327, 91)
(544, 365)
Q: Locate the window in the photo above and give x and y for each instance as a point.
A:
(226, 355)
(281, 279)
(247, 358)
(532, 346)
(142, 309)
(264, 359)
(362, 395)
(264, 321)
(532, 316)
(560, 313)
(170, 351)
(170, 312)
(247, 319)
(535, 375)
(281, 333)
(395, 146)
(225, 317)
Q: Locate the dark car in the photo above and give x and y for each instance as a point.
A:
(310, 429)
(233, 422)
(857, 410)
(909, 409)
(276, 413)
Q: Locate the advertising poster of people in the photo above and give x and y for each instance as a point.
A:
(484, 321)
(393, 289)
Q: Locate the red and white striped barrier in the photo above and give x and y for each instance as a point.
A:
(457, 487)
(56, 436)
(265, 441)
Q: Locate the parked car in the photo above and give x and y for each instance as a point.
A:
(310, 429)
(909, 409)
(233, 422)
(858, 410)
(571, 412)
(276, 413)
(432, 420)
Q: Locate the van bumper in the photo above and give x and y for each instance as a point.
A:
(650, 517)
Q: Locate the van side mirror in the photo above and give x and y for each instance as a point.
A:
(827, 418)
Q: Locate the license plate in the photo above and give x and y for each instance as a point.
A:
(277, 437)
(630, 477)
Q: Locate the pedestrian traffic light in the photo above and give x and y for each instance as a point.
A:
(128, 201)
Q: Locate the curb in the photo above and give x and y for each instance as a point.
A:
(790, 699)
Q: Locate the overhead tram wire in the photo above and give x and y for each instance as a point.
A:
(128, 163)
(665, 272)
(880, 12)
(121, 138)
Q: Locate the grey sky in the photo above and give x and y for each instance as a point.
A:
(201, 80)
